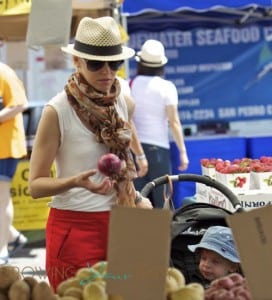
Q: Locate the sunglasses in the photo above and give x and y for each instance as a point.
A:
(95, 65)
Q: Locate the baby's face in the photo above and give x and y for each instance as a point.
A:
(213, 265)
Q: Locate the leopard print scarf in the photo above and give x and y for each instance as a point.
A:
(99, 112)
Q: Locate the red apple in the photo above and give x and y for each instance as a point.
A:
(109, 164)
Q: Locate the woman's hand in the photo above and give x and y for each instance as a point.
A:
(184, 161)
(142, 165)
(144, 203)
(83, 180)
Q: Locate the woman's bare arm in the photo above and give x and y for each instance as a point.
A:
(43, 154)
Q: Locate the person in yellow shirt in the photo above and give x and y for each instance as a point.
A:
(13, 101)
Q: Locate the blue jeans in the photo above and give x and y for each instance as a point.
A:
(159, 164)
(7, 168)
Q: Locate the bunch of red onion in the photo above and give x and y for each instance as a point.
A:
(230, 287)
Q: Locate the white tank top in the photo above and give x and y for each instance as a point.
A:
(78, 152)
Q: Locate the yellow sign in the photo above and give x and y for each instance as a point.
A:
(29, 214)
(15, 7)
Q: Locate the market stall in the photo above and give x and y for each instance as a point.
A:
(207, 51)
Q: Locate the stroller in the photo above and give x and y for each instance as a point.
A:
(190, 222)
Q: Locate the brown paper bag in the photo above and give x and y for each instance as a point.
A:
(253, 237)
(138, 253)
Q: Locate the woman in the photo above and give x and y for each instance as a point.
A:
(86, 120)
(156, 110)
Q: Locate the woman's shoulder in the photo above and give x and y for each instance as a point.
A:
(165, 82)
(60, 98)
(123, 105)
(60, 102)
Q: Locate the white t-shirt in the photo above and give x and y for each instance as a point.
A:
(151, 95)
(125, 88)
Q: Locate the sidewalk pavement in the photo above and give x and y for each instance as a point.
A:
(30, 262)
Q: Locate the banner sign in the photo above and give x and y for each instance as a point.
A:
(14, 7)
(29, 214)
(222, 74)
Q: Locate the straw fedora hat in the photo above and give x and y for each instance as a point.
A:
(152, 54)
(99, 39)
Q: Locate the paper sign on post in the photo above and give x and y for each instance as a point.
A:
(138, 253)
(253, 238)
(49, 23)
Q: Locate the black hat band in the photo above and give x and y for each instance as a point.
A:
(98, 50)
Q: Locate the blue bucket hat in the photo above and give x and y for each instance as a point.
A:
(220, 240)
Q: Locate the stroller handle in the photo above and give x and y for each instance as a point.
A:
(197, 178)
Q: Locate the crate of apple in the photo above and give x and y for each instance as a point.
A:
(208, 166)
(109, 164)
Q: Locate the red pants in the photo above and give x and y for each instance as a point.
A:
(74, 240)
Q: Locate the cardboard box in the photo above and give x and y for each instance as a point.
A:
(138, 253)
(252, 235)
(255, 199)
(249, 199)
(261, 180)
(17, 55)
(237, 182)
(212, 196)
(208, 172)
(91, 4)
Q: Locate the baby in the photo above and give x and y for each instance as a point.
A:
(217, 253)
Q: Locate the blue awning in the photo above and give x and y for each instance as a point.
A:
(159, 15)
(133, 7)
